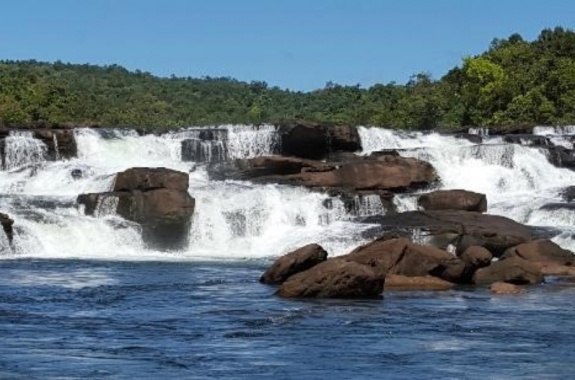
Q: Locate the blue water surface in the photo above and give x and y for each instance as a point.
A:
(66, 319)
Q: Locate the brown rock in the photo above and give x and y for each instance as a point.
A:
(164, 213)
(477, 257)
(543, 252)
(400, 256)
(334, 279)
(505, 288)
(294, 262)
(399, 282)
(513, 270)
(379, 173)
(453, 200)
(145, 179)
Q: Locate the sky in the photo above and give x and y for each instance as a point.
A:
(295, 44)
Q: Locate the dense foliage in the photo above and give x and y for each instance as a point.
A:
(513, 82)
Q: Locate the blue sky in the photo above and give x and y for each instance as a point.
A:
(296, 44)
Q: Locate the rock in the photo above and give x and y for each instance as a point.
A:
(60, 143)
(474, 257)
(334, 279)
(461, 228)
(316, 141)
(156, 199)
(380, 173)
(145, 179)
(76, 173)
(402, 257)
(294, 262)
(505, 288)
(398, 282)
(7, 224)
(476, 139)
(561, 156)
(453, 200)
(513, 270)
(542, 252)
(568, 193)
(527, 139)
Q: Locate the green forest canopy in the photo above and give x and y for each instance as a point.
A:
(513, 82)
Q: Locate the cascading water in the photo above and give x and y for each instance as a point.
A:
(231, 219)
(518, 180)
(235, 219)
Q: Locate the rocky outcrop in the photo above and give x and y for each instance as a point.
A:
(395, 282)
(294, 262)
(453, 200)
(372, 173)
(7, 224)
(334, 278)
(317, 141)
(513, 270)
(463, 229)
(155, 198)
(402, 257)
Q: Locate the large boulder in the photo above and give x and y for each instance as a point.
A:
(156, 199)
(402, 257)
(461, 228)
(371, 173)
(317, 141)
(146, 179)
(294, 262)
(334, 278)
(453, 200)
(513, 270)
(547, 255)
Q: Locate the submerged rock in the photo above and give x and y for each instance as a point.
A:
(505, 288)
(405, 283)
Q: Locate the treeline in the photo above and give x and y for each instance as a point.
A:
(513, 82)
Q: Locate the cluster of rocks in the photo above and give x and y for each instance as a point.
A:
(464, 248)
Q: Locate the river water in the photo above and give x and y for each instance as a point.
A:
(81, 297)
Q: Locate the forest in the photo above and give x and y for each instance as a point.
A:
(514, 82)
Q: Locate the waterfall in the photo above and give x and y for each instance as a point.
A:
(22, 149)
(243, 220)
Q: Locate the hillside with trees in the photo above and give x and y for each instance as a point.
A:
(514, 82)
